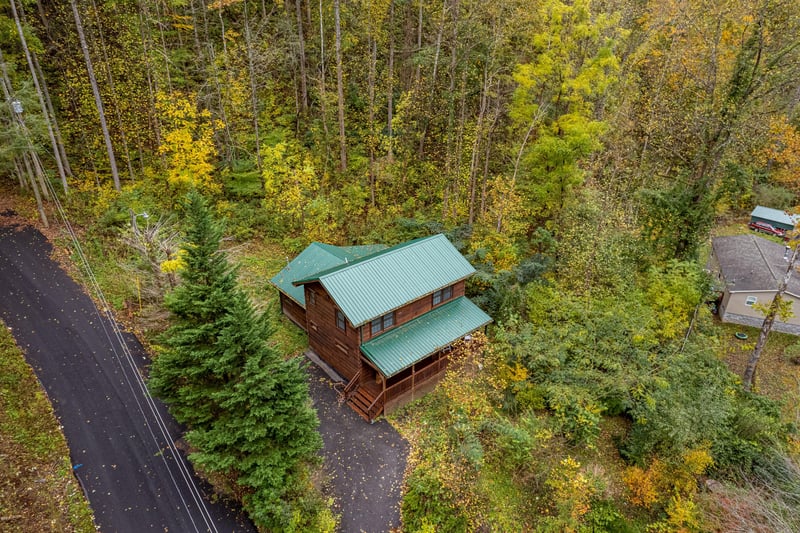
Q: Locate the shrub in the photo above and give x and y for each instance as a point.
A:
(427, 501)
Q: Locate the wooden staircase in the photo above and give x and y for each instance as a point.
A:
(361, 401)
(362, 397)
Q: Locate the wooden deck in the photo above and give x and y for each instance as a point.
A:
(368, 398)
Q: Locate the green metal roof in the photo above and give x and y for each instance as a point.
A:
(401, 347)
(777, 217)
(317, 257)
(384, 281)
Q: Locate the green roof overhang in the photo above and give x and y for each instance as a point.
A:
(401, 347)
(315, 258)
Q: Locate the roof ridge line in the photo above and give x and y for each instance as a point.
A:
(764, 258)
(380, 253)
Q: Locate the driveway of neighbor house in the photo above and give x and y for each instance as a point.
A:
(365, 461)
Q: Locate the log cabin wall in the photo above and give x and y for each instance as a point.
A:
(413, 310)
(340, 349)
(293, 311)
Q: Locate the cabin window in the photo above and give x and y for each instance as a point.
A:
(382, 323)
(312, 297)
(442, 295)
(340, 322)
(750, 301)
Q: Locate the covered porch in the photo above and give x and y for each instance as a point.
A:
(408, 361)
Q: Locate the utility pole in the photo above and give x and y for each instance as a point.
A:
(769, 320)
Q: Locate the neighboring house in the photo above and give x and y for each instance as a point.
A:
(385, 321)
(775, 217)
(750, 269)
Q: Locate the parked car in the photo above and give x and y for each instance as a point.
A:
(763, 227)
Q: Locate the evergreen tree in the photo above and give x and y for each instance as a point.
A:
(248, 410)
(266, 429)
(190, 370)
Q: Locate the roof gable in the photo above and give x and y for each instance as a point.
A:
(750, 263)
(384, 281)
(317, 257)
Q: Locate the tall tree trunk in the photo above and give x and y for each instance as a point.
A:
(302, 44)
(766, 326)
(418, 73)
(340, 87)
(98, 100)
(390, 82)
(373, 64)
(253, 96)
(163, 39)
(23, 184)
(226, 126)
(323, 89)
(39, 204)
(152, 84)
(112, 87)
(51, 110)
(45, 114)
(430, 94)
(476, 144)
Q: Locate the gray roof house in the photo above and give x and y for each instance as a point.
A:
(749, 269)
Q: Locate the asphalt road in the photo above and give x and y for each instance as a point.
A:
(121, 452)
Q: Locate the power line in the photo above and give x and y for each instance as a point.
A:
(132, 368)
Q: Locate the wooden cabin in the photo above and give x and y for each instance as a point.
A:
(383, 318)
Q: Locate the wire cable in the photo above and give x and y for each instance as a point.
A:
(132, 368)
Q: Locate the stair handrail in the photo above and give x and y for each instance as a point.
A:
(377, 412)
(351, 386)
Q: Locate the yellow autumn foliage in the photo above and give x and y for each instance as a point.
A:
(187, 143)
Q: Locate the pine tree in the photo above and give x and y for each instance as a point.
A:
(266, 429)
(248, 410)
(188, 373)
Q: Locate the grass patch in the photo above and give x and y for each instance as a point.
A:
(776, 376)
(37, 489)
(258, 262)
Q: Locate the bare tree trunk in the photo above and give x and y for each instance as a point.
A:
(39, 204)
(51, 110)
(253, 96)
(418, 73)
(390, 82)
(439, 35)
(112, 87)
(29, 154)
(98, 100)
(476, 144)
(323, 90)
(766, 327)
(163, 45)
(373, 64)
(340, 87)
(47, 118)
(152, 84)
(20, 174)
(302, 43)
(226, 126)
